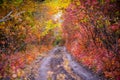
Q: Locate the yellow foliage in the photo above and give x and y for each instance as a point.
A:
(49, 26)
(56, 5)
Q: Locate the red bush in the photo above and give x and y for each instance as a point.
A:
(88, 37)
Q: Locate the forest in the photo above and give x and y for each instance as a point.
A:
(89, 29)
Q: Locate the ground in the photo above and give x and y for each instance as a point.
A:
(58, 64)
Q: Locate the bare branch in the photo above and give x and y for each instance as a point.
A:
(6, 17)
(20, 13)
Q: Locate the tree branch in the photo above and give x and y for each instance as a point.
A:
(6, 17)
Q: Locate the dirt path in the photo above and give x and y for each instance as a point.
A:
(56, 66)
(60, 65)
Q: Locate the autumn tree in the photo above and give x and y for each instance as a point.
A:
(91, 29)
(24, 24)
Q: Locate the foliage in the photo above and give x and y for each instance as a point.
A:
(14, 23)
(16, 20)
(57, 5)
(25, 23)
(92, 32)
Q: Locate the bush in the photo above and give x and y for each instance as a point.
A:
(91, 31)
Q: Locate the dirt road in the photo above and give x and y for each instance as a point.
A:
(58, 64)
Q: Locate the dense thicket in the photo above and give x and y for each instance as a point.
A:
(92, 32)
(27, 28)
